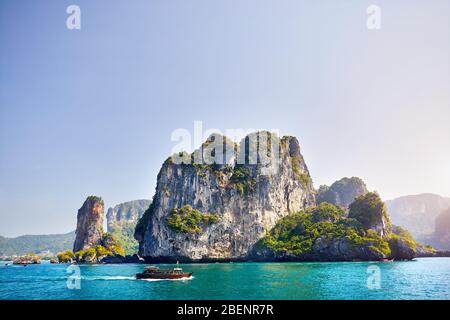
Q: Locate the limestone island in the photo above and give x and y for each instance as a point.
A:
(241, 208)
(235, 211)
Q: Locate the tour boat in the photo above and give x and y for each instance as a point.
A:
(153, 272)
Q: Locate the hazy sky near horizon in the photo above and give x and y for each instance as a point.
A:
(91, 111)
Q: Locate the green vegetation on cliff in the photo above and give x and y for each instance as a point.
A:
(108, 246)
(111, 245)
(401, 240)
(297, 233)
(66, 257)
(241, 180)
(326, 230)
(121, 222)
(304, 178)
(125, 236)
(189, 220)
(93, 254)
(95, 199)
(369, 209)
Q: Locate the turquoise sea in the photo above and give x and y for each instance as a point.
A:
(425, 278)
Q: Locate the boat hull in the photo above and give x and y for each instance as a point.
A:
(163, 276)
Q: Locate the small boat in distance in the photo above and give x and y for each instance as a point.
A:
(154, 272)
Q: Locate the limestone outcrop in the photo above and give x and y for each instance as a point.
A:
(218, 209)
(89, 230)
(92, 244)
(342, 192)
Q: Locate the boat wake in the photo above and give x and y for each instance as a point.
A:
(108, 278)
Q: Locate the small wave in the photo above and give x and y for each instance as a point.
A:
(182, 279)
(108, 278)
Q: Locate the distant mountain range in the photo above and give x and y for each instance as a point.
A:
(418, 213)
(52, 243)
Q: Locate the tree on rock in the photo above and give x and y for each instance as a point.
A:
(371, 212)
(92, 244)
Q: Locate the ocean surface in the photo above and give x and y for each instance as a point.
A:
(425, 278)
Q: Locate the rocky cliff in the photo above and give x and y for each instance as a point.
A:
(417, 213)
(241, 206)
(126, 213)
(441, 236)
(89, 230)
(342, 192)
(122, 220)
(219, 208)
(92, 244)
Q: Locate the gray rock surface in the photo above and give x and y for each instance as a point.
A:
(417, 213)
(247, 207)
(342, 192)
(120, 259)
(126, 213)
(89, 230)
(441, 236)
(401, 250)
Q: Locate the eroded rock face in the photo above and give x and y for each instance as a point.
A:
(120, 259)
(441, 236)
(418, 213)
(402, 250)
(89, 231)
(343, 250)
(126, 213)
(249, 198)
(342, 192)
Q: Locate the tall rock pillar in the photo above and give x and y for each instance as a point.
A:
(89, 224)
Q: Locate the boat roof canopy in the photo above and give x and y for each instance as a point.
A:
(152, 268)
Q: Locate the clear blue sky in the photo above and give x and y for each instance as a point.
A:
(91, 111)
